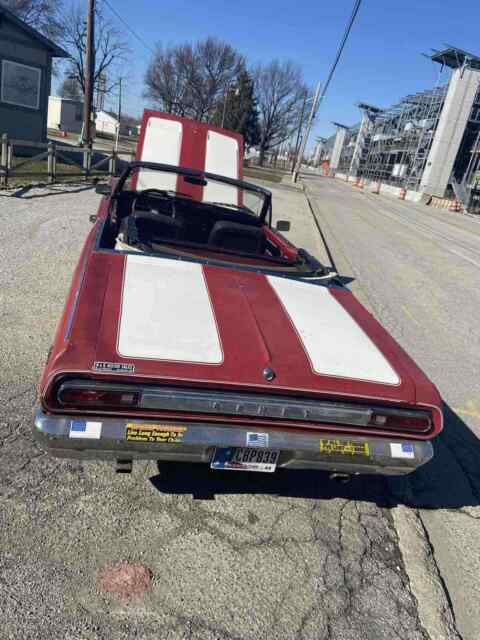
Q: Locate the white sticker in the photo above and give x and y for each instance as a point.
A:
(257, 439)
(402, 450)
(85, 429)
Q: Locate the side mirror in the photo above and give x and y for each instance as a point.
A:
(103, 189)
(282, 225)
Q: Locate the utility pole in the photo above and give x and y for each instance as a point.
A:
(225, 104)
(119, 111)
(307, 133)
(299, 132)
(89, 73)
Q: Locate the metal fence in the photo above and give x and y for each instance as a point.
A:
(16, 155)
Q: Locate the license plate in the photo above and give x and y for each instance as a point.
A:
(243, 459)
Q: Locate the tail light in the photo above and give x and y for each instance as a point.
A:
(92, 395)
(82, 397)
(400, 420)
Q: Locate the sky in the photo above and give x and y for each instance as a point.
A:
(382, 61)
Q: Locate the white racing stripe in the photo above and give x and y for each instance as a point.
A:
(166, 312)
(333, 341)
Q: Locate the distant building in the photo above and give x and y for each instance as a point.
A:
(427, 144)
(65, 114)
(106, 123)
(25, 78)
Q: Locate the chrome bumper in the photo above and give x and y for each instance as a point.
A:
(195, 442)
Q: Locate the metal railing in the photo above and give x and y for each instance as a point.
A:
(86, 162)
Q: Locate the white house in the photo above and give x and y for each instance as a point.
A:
(106, 123)
(65, 114)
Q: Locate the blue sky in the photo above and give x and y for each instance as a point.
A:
(382, 61)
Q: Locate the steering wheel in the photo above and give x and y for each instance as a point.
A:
(162, 192)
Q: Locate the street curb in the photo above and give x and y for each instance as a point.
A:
(426, 584)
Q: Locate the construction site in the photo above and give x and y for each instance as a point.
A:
(426, 147)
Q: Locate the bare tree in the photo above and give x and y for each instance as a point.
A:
(218, 65)
(111, 50)
(43, 15)
(169, 78)
(190, 79)
(279, 90)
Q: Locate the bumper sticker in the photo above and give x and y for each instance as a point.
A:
(257, 439)
(85, 429)
(156, 433)
(402, 450)
(345, 448)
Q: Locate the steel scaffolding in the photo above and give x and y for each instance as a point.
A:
(402, 137)
(358, 140)
(392, 145)
(348, 149)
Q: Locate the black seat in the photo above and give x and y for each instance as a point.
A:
(237, 237)
(155, 227)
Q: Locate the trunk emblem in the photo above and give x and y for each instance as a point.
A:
(117, 367)
(268, 374)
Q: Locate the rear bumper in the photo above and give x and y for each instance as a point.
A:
(106, 439)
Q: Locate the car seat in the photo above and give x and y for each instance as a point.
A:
(237, 237)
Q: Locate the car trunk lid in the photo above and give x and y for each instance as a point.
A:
(210, 326)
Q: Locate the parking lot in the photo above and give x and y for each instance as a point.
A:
(295, 555)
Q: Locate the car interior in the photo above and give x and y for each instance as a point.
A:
(153, 219)
(184, 225)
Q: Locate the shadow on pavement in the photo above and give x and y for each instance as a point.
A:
(203, 483)
(450, 481)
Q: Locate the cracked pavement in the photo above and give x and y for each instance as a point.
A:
(417, 269)
(234, 556)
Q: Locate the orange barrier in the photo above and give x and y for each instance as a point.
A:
(455, 206)
(359, 183)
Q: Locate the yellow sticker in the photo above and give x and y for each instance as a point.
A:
(156, 433)
(345, 447)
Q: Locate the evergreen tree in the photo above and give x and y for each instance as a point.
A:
(238, 109)
(70, 88)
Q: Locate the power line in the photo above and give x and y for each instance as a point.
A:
(343, 42)
(125, 23)
(319, 98)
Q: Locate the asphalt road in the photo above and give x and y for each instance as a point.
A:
(233, 557)
(418, 270)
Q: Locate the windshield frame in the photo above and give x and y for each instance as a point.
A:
(264, 216)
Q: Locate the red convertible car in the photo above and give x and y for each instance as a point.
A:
(196, 332)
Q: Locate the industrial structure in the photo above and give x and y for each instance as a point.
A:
(427, 143)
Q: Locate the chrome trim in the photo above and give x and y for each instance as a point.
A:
(299, 450)
(238, 404)
(234, 404)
